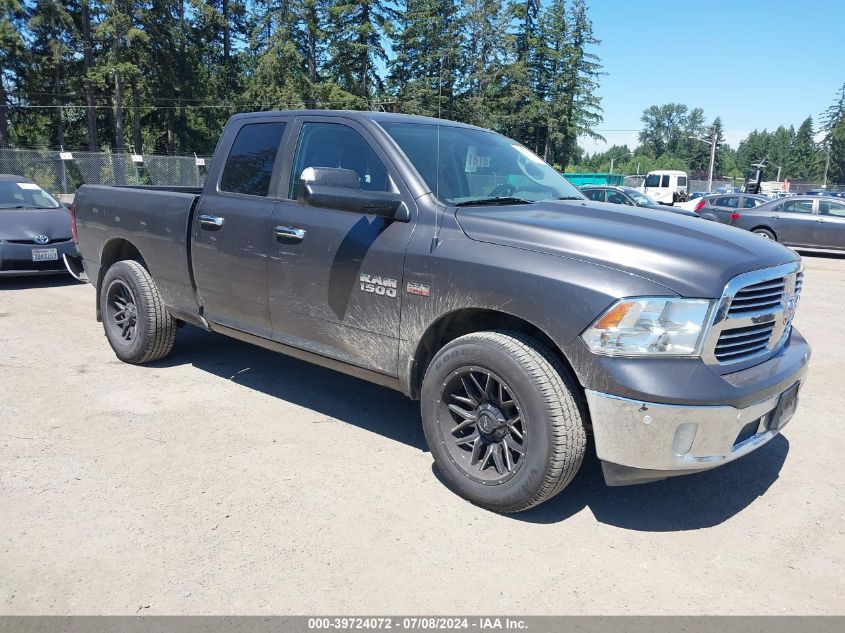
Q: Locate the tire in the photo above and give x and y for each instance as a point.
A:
(143, 331)
(543, 420)
(765, 233)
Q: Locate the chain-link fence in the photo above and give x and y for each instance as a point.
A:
(64, 172)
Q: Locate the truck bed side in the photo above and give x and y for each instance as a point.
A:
(155, 222)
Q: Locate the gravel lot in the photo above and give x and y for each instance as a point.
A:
(228, 479)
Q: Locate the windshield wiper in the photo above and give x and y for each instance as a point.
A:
(570, 198)
(494, 201)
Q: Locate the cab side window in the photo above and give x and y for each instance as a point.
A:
(595, 194)
(338, 145)
(249, 166)
(665, 181)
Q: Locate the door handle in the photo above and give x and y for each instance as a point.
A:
(819, 220)
(776, 217)
(289, 233)
(211, 222)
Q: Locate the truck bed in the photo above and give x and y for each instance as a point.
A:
(156, 220)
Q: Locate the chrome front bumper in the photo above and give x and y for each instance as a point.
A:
(642, 441)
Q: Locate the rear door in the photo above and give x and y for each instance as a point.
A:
(336, 289)
(230, 232)
(723, 207)
(830, 224)
(794, 222)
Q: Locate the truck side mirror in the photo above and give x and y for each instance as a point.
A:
(337, 188)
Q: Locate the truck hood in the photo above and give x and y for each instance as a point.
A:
(25, 224)
(690, 256)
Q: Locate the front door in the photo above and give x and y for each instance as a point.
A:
(230, 232)
(830, 225)
(335, 277)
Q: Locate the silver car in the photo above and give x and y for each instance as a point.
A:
(801, 221)
(35, 231)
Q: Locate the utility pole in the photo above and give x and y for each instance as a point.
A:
(826, 167)
(712, 160)
(712, 141)
(611, 166)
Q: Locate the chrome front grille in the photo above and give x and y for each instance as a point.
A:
(754, 316)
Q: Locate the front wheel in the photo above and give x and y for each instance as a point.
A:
(501, 416)
(138, 326)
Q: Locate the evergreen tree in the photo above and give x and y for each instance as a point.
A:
(804, 154)
(52, 30)
(582, 108)
(11, 59)
(833, 126)
(485, 45)
(425, 77)
(356, 30)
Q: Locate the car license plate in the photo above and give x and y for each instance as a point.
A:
(787, 404)
(44, 254)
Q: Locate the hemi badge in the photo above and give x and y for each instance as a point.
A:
(413, 288)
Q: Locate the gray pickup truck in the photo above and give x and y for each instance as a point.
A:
(452, 264)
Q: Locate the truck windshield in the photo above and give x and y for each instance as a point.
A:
(462, 166)
(24, 195)
(652, 180)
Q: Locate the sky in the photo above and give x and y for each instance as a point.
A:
(755, 63)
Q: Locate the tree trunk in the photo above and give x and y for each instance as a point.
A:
(88, 64)
(136, 119)
(4, 121)
(57, 91)
(118, 111)
(227, 71)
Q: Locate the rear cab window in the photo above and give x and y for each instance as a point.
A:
(249, 165)
(682, 181)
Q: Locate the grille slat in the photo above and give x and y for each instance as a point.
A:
(760, 338)
(742, 342)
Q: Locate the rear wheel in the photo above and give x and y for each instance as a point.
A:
(765, 233)
(502, 419)
(138, 326)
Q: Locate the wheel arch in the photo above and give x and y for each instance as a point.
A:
(765, 227)
(457, 323)
(115, 250)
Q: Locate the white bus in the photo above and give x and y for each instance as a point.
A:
(666, 186)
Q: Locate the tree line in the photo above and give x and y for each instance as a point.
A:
(162, 76)
(673, 136)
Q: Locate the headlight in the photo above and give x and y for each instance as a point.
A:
(644, 326)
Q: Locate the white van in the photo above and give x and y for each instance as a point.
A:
(666, 186)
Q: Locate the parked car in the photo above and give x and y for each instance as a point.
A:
(666, 186)
(723, 208)
(629, 196)
(802, 221)
(35, 230)
(451, 263)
